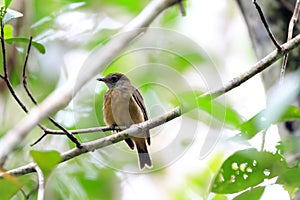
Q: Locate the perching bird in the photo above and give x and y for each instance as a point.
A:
(124, 106)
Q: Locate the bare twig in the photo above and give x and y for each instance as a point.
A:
(70, 136)
(292, 23)
(137, 128)
(265, 23)
(76, 132)
(41, 181)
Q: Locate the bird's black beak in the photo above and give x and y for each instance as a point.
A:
(101, 79)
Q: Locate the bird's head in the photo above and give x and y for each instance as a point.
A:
(114, 79)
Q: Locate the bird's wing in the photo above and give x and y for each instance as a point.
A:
(140, 101)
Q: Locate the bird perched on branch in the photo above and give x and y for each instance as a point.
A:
(124, 106)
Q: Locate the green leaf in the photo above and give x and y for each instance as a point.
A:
(263, 120)
(247, 168)
(221, 112)
(191, 99)
(37, 45)
(290, 177)
(7, 3)
(11, 14)
(292, 113)
(46, 160)
(10, 185)
(8, 31)
(253, 194)
(8, 188)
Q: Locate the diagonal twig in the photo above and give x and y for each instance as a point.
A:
(76, 132)
(292, 23)
(25, 85)
(266, 25)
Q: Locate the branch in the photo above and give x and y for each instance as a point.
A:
(257, 68)
(24, 77)
(265, 23)
(292, 23)
(76, 132)
(176, 112)
(41, 181)
(96, 62)
(103, 142)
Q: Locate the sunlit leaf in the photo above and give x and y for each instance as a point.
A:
(252, 193)
(8, 31)
(11, 14)
(191, 100)
(247, 168)
(37, 45)
(262, 121)
(219, 197)
(221, 112)
(46, 160)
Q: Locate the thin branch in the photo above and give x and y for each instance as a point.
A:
(181, 7)
(77, 132)
(265, 23)
(292, 23)
(24, 76)
(137, 128)
(3, 49)
(41, 181)
(25, 85)
(6, 76)
(257, 68)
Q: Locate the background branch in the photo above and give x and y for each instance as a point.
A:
(292, 23)
(265, 23)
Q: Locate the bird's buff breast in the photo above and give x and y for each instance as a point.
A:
(120, 108)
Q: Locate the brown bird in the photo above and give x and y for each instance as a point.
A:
(124, 106)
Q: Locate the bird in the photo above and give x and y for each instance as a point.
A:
(123, 106)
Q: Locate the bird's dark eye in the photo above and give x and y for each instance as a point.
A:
(114, 79)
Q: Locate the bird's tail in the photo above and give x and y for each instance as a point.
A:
(144, 157)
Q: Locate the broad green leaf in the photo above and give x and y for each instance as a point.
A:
(191, 100)
(46, 160)
(262, 121)
(221, 112)
(247, 168)
(252, 193)
(11, 14)
(37, 45)
(7, 3)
